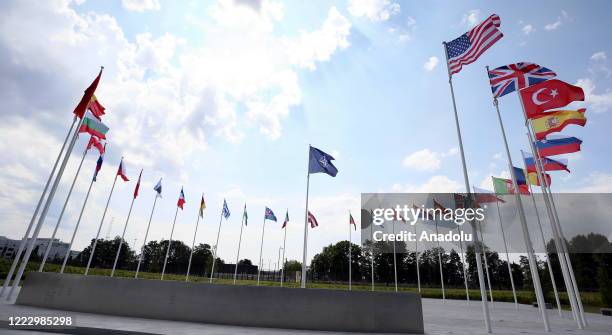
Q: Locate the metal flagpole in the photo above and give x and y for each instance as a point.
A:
(283, 260)
(305, 251)
(394, 256)
(212, 268)
(169, 244)
(239, 242)
(122, 236)
(416, 252)
(349, 255)
(507, 256)
(277, 267)
(263, 230)
(550, 270)
(568, 260)
(59, 219)
(556, 235)
(24, 240)
(528, 245)
(372, 252)
(486, 263)
(193, 245)
(467, 291)
(440, 263)
(144, 242)
(76, 227)
(43, 215)
(93, 248)
(485, 307)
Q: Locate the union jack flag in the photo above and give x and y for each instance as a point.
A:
(468, 47)
(509, 78)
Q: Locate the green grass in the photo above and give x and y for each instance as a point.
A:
(591, 300)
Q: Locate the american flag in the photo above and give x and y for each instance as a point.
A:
(468, 47)
(312, 220)
(509, 78)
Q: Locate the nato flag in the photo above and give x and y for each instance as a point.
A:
(321, 162)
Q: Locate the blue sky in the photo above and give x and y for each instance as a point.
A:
(223, 97)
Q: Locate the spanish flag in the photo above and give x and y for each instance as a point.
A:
(556, 121)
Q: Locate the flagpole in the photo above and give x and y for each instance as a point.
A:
(440, 264)
(394, 256)
(263, 230)
(467, 291)
(59, 219)
(122, 236)
(558, 245)
(144, 242)
(277, 263)
(76, 227)
(416, 252)
(481, 283)
(557, 237)
(169, 244)
(372, 252)
(283, 260)
(528, 244)
(239, 243)
(212, 269)
(93, 248)
(550, 270)
(305, 249)
(24, 240)
(501, 224)
(486, 263)
(43, 215)
(193, 244)
(349, 254)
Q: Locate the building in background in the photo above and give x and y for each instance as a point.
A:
(8, 247)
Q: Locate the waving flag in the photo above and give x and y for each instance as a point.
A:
(286, 220)
(558, 145)
(181, 199)
(96, 143)
(245, 215)
(319, 161)
(483, 196)
(555, 121)
(98, 165)
(95, 107)
(225, 212)
(519, 174)
(505, 186)
(158, 188)
(121, 171)
(547, 95)
(352, 221)
(269, 215)
(202, 207)
(137, 185)
(468, 47)
(549, 164)
(312, 220)
(79, 110)
(513, 77)
(93, 126)
(532, 178)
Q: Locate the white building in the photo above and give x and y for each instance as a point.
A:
(9, 247)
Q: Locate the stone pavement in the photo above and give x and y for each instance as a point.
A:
(451, 317)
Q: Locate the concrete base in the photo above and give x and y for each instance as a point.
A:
(270, 307)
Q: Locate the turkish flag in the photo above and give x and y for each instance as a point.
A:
(80, 109)
(548, 95)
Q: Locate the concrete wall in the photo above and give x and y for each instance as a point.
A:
(273, 307)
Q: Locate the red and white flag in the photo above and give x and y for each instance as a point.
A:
(137, 185)
(121, 171)
(548, 95)
(181, 199)
(96, 143)
(352, 221)
(312, 220)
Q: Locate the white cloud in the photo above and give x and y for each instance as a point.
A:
(599, 56)
(431, 63)
(597, 102)
(427, 160)
(596, 182)
(375, 10)
(487, 183)
(559, 22)
(406, 32)
(141, 5)
(553, 26)
(471, 18)
(528, 29)
(435, 184)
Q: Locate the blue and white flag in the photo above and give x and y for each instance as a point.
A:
(225, 212)
(321, 162)
(269, 215)
(158, 188)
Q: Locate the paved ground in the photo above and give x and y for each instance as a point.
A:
(451, 317)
